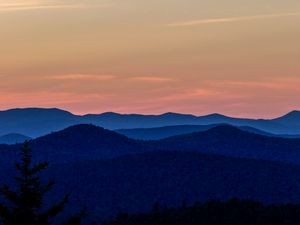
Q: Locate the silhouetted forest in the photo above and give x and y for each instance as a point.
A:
(133, 183)
(233, 212)
(23, 204)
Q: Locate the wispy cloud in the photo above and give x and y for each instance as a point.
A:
(152, 79)
(87, 77)
(275, 85)
(231, 19)
(37, 5)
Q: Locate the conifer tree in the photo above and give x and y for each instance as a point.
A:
(24, 204)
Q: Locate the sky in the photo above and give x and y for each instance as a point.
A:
(235, 57)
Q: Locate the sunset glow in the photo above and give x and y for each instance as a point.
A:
(236, 57)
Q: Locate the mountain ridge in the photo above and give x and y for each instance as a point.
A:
(86, 142)
(157, 133)
(35, 122)
(110, 173)
(13, 138)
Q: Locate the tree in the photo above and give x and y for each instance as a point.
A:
(24, 204)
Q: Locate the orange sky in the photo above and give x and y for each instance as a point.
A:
(235, 57)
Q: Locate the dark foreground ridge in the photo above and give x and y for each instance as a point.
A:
(233, 212)
(107, 172)
(134, 183)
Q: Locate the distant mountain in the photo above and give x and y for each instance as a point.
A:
(122, 121)
(231, 141)
(116, 121)
(76, 143)
(264, 133)
(163, 132)
(84, 142)
(89, 142)
(10, 139)
(35, 122)
(292, 118)
(169, 131)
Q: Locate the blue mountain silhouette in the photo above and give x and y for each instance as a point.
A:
(35, 122)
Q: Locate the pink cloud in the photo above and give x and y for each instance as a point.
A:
(40, 5)
(152, 79)
(88, 77)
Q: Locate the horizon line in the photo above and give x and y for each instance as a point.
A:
(145, 114)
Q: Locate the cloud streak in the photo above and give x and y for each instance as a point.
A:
(152, 79)
(82, 77)
(231, 19)
(11, 7)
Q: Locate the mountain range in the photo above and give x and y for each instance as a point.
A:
(109, 172)
(157, 133)
(35, 122)
(89, 142)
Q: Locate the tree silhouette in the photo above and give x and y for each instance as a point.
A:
(24, 204)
